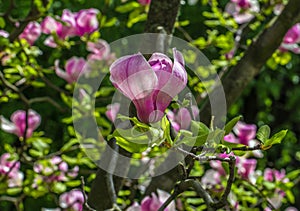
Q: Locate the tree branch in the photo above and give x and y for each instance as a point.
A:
(236, 80)
(162, 13)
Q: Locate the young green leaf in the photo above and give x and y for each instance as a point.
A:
(231, 124)
(263, 133)
(276, 139)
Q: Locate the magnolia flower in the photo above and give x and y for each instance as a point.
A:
(100, 50)
(4, 34)
(50, 25)
(10, 168)
(86, 21)
(31, 32)
(246, 168)
(55, 170)
(150, 85)
(272, 175)
(242, 10)
(144, 2)
(74, 66)
(182, 119)
(291, 40)
(18, 123)
(153, 202)
(245, 132)
(72, 200)
(112, 111)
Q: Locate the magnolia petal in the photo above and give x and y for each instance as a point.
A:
(6, 125)
(60, 73)
(133, 76)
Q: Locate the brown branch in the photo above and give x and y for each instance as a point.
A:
(162, 13)
(236, 80)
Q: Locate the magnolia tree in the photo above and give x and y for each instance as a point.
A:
(97, 115)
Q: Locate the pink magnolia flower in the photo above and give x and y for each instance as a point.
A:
(68, 29)
(72, 200)
(31, 32)
(246, 168)
(112, 111)
(150, 85)
(86, 21)
(50, 25)
(54, 170)
(242, 10)
(144, 2)
(74, 66)
(11, 168)
(272, 175)
(182, 118)
(100, 50)
(291, 40)
(153, 202)
(18, 123)
(245, 132)
(4, 34)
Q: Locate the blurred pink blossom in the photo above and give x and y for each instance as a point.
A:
(100, 50)
(291, 40)
(10, 167)
(4, 34)
(74, 66)
(144, 2)
(72, 200)
(18, 123)
(50, 25)
(245, 132)
(242, 11)
(86, 21)
(273, 175)
(182, 118)
(54, 170)
(31, 32)
(112, 111)
(153, 202)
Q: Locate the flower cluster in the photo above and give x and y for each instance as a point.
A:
(19, 123)
(244, 134)
(74, 24)
(153, 202)
(10, 168)
(72, 200)
(291, 40)
(31, 32)
(53, 170)
(242, 11)
(150, 85)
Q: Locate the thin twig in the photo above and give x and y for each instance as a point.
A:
(85, 204)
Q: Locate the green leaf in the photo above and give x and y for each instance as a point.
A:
(130, 146)
(199, 128)
(228, 127)
(275, 139)
(290, 196)
(69, 144)
(127, 7)
(2, 22)
(293, 174)
(263, 133)
(131, 140)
